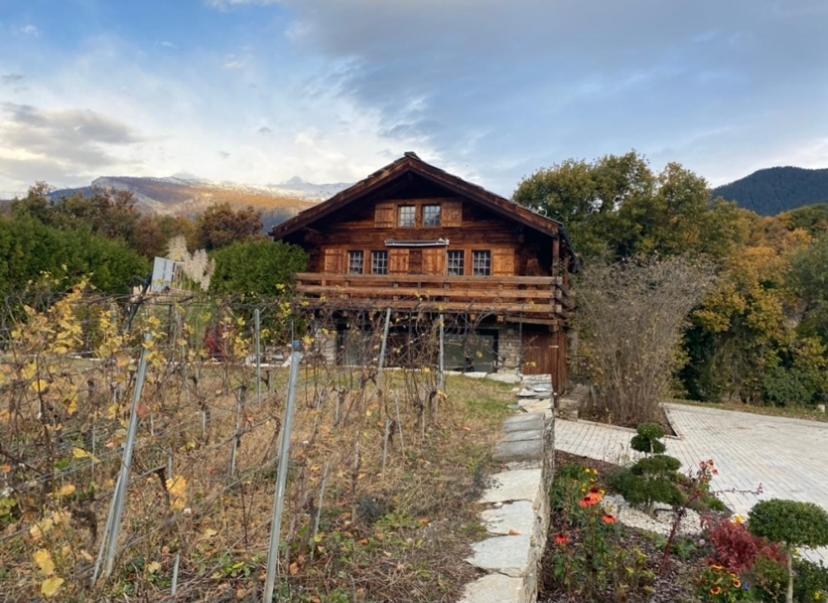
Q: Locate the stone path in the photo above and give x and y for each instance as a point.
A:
(788, 457)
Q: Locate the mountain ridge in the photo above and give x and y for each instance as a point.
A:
(775, 190)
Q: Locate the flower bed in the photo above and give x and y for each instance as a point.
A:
(592, 556)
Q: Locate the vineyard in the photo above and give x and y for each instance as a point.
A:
(143, 443)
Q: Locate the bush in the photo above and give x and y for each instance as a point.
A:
(811, 582)
(737, 549)
(791, 522)
(256, 268)
(768, 580)
(648, 439)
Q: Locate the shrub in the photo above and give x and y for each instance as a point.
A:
(768, 580)
(645, 486)
(811, 582)
(648, 439)
(735, 548)
(792, 523)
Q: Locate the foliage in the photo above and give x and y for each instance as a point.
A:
(768, 579)
(616, 207)
(791, 522)
(220, 225)
(774, 190)
(630, 317)
(107, 213)
(736, 548)
(650, 480)
(30, 248)
(808, 278)
(716, 583)
(811, 582)
(257, 268)
(648, 439)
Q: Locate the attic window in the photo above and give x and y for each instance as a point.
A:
(408, 216)
(431, 215)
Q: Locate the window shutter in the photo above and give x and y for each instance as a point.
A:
(452, 213)
(384, 215)
(398, 261)
(503, 261)
(334, 260)
(434, 260)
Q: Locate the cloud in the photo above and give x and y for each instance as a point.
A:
(57, 144)
(29, 30)
(11, 78)
(265, 131)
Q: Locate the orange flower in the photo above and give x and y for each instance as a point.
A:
(609, 519)
(716, 590)
(736, 582)
(562, 540)
(591, 499)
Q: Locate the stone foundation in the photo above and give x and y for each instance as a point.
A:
(508, 349)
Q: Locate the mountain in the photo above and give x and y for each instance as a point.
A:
(775, 190)
(190, 196)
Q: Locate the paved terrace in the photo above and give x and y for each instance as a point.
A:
(788, 457)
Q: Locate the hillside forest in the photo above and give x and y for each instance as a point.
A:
(759, 336)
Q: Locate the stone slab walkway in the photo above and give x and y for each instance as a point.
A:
(788, 457)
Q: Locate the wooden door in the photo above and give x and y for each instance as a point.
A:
(415, 261)
(537, 351)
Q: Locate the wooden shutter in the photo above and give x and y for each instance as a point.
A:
(451, 213)
(398, 261)
(334, 261)
(384, 215)
(503, 261)
(434, 260)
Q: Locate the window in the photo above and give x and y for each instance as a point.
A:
(379, 262)
(431, 215)
(408, 216)
(481, 263)
(456, 263)
(356, 262)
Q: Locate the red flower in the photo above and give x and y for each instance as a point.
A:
(609, 519)
(562, 540)
(590, 500)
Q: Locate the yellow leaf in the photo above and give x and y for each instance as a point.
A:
(67, 490)
(43, 559)
(153, 567)
(72, 407)
(29, 371)
(51, 586)
(80, 453)
(209, 533)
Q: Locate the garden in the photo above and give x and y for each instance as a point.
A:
(84, 375)
(650, 532)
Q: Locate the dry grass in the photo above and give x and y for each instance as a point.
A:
(397, 535)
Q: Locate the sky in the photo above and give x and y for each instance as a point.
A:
(259, 91)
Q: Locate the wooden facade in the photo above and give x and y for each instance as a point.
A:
(413, 237)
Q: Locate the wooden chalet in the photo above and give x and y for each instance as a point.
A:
(413, 237)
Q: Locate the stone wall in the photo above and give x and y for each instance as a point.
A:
(508, 348)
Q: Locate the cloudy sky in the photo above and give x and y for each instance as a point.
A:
(258, 91)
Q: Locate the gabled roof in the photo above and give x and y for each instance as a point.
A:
(409, 162)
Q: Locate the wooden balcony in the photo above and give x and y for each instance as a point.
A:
(541, 299)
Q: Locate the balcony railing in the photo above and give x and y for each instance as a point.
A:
(541, 297)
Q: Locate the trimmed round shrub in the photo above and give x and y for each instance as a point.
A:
(792, 522)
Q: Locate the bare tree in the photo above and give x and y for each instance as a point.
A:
(631, 316)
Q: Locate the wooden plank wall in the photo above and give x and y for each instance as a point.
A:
(468, 227)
